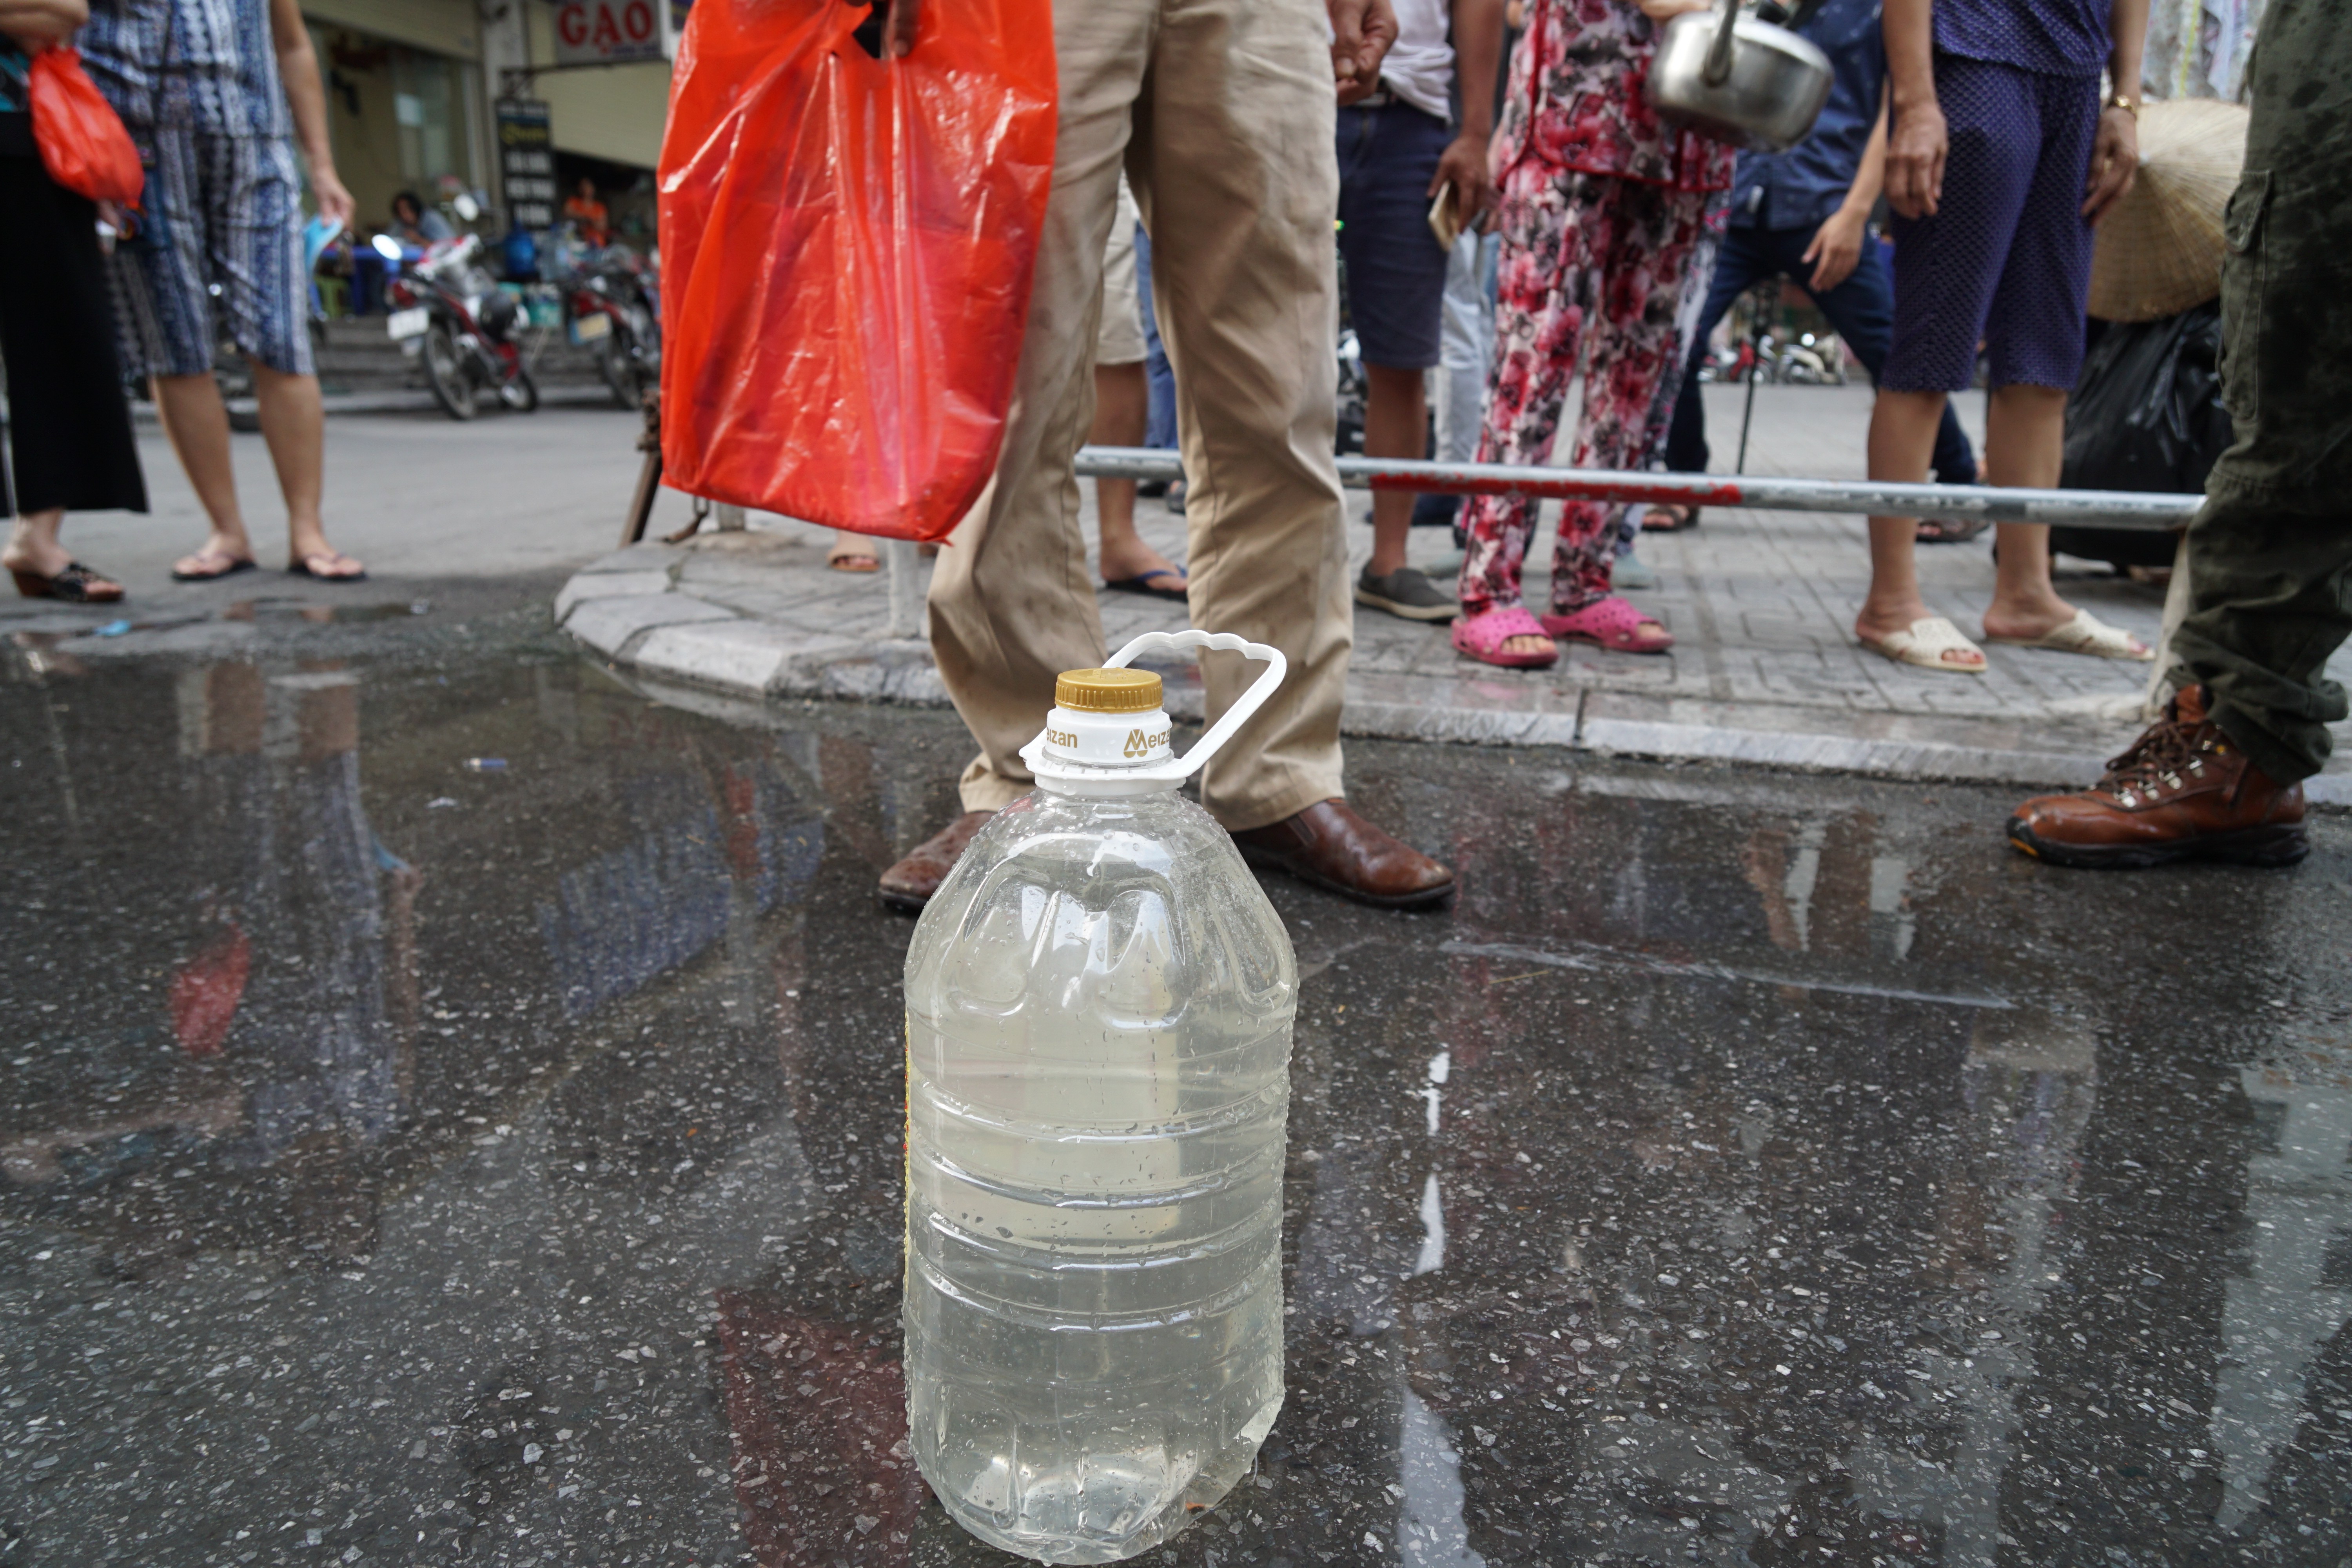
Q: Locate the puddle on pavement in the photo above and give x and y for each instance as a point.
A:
(433, 1162)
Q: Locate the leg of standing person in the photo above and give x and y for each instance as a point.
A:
(1396, 295)
(1465, 348)
(1230, 165)
(1861, 311)
(1160, 433)
(69, 430)
(2033, 342)
(1694, 288)
(223, 210)
(1632, 343)
(1122, 417)
(1012, 601)
(2219, 777)
(1547, 285)
(1741, 263)
(1241, 89)
(257, 253)
(163, 280)
(852, 552)
(1946, 267)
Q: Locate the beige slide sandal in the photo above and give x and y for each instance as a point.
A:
(1926, 643)
(2086, 634)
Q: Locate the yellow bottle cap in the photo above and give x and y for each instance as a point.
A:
(1106, 690)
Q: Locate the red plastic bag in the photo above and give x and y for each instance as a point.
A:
(82, 141)
(206, 990)
(847, 249)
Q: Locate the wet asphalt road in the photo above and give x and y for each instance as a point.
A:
(405, 1163)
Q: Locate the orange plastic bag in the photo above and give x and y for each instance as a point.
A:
(847, 249)
(82, 141)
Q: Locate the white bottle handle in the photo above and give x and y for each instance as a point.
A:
(1237, 716)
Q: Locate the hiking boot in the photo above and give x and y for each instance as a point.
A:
(1406, 592)
(2183, 792)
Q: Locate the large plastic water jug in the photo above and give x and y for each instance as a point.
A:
(1098, 1013)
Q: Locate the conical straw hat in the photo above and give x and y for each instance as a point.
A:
(2159, 249)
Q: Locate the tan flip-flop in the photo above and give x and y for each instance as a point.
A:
(2086, 634)
(1925, 643)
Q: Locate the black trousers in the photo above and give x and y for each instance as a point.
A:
(68, 425)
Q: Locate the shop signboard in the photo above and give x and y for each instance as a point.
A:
(527, 161)
(607, 32)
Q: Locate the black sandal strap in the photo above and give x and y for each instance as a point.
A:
(74, 582)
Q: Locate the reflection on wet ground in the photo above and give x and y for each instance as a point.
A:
(409, 1161)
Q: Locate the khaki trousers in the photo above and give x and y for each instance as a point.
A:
(1221, 113)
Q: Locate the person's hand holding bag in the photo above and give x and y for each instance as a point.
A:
(81, 140)
(34, 24)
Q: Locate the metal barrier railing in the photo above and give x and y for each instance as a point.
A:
(1963, 504)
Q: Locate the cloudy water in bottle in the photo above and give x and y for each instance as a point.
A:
(1098, 1016)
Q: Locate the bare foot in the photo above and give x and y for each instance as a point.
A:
(2027, 619)
(41, 557)
(308, 548)
(1528, 644)
(327, 564)
(1877, 622)
(1133, 558)
(852, 552)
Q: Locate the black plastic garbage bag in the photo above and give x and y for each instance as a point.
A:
(2146, 416)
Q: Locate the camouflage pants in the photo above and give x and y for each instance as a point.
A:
(2270, 552)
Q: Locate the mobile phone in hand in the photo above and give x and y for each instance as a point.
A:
(1441, 221)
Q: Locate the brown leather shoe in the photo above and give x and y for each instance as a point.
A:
(1339, 852)
(908, 886)
(2182, 791)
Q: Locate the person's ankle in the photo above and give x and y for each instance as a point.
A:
(27, 551)
(1892, 614)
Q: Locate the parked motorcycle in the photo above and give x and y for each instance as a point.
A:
(1810, 362)
(613, 305)
(449, 311)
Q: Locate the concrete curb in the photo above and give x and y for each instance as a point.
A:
(634, 607)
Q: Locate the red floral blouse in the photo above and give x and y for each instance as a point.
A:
(1576, 102)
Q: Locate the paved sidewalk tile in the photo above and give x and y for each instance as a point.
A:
(1765, 667)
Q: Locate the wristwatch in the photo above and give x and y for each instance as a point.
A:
(2128, 105)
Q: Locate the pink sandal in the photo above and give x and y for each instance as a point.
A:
(1482, 637)
(1611, 623)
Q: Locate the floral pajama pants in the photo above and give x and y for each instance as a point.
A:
(1598, 274)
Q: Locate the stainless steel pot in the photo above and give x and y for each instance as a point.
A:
(1739, 78)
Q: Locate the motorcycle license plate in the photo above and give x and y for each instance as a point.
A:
(588, 329)
(408, 323)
